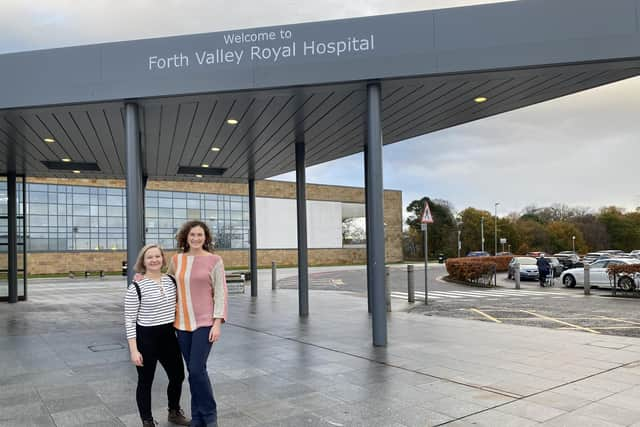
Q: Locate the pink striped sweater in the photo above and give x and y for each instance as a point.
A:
(202, 290)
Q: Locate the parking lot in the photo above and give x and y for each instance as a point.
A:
(555, 307)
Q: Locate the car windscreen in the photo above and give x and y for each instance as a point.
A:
(526, 261)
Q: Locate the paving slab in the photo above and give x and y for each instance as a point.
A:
(272, 368)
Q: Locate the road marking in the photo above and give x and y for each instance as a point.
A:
(619, 320)
(560, 321)
(489, 294)
(475, 310)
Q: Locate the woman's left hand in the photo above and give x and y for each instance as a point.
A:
(214, 333)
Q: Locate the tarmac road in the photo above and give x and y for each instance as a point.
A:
(556, 307)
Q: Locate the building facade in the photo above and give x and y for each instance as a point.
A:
(77, 225)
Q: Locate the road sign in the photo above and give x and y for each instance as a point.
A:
(426, 214)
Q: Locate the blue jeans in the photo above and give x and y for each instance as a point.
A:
(195, 347)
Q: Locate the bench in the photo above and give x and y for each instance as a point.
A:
(235, 282)
(88, 273)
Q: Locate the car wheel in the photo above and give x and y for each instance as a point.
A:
(569, 281)
(626, 283)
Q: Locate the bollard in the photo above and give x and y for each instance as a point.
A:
(516, 274)
(387, 288)
(411, 284)
(274, 280)
(587, 279)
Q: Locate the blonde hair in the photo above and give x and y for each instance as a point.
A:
(139, 267)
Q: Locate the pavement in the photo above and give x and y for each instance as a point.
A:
(64, 362)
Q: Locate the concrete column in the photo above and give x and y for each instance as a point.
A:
(374, 206)
(253, 240)
(12, 237)
(135, 188)
(303, 261)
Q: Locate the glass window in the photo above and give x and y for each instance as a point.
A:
(80, 199)
(38, 220)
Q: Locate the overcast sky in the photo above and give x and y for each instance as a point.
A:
(580, 150)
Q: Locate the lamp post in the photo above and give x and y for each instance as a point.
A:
(459, 226)
(573, 243)
(482, 233)
(495, 228)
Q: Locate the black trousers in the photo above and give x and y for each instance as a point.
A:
(158, 344)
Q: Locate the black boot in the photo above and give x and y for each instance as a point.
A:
(149, 423)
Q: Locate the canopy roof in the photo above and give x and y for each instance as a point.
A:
(302, 82)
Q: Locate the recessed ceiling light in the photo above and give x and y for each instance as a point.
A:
(232, 121)
(198, 176)
(66, 159)
(215, 149)
(76, 171)
(49, 140)
(204, 165)
(480, 99)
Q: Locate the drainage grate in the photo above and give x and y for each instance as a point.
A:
(105, 347)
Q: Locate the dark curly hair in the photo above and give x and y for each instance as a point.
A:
(183, 234)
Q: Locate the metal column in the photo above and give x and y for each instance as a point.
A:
(253, 240)
(374, 202)
(303, 263)
(367, 222)
(13, 237)
(135, 189)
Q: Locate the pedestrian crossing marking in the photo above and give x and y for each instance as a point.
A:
(492, 294)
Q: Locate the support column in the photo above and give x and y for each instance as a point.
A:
(135, 188)
(253, 240)
(12, 237)
(374, 202)
(303, 263)
(367, 222)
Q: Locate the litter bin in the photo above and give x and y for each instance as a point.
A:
(441, 258)
(124, 268)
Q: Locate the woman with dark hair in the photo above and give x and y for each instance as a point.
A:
(149, 313)
(201, 310)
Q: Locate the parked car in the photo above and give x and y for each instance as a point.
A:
(504, 254)
(536, 254)
(556, 266)
(598, 274)
(568, 259)
(478, 253)
(528, 268)
(635, 253)
(594, 256)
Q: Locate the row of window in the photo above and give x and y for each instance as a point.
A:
(68, 218)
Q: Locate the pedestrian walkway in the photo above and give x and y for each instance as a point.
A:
(486, 293)
(64, 363)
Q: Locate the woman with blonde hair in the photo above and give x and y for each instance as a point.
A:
(149, 313)
(201, 311)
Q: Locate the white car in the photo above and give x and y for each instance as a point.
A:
(598, 274)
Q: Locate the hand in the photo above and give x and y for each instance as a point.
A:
(214, 333)
(136, 358)
(137, 277)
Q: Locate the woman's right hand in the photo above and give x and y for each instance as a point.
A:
(136, 358)
(137, 277)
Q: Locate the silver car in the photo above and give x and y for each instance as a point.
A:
(528, 268)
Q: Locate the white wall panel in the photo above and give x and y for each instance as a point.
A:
(276, 224)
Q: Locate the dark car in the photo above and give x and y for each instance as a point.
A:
(478, 253)
(556, 265)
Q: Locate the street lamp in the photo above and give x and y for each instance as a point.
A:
(573, 243)
(495, 228)
(459, 224)
(482, 233)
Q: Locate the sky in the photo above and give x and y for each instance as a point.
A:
(580, 150)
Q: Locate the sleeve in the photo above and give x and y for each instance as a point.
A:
(220, 296)
(131, 308)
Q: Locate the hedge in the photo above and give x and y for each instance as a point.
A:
(476, 269)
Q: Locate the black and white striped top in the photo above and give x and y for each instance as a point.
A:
(156, 306)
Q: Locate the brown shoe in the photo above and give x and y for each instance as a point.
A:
(149, 423)
(176, 416)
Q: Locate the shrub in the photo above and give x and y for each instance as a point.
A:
(477, 270)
